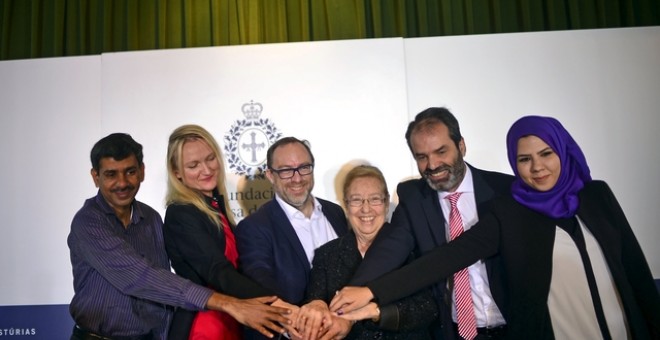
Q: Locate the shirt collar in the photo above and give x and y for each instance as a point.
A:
(291, 211)
(136, 212)
(466, 185)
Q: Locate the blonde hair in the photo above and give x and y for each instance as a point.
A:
(177, 192)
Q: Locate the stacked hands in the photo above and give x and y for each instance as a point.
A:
(266, 314)
(315, 320)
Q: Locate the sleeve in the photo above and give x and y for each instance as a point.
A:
(635, 265)
(201, 245)
(390, 248)
(317, 289)
(127, 270)
(255, 246)
(481, 241)
(411, 313)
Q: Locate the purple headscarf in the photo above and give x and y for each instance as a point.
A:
(561, 201)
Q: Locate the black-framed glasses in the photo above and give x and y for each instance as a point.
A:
(287, 173)
(357, 201)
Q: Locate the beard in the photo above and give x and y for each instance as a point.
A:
(456, 173)
(297, 200)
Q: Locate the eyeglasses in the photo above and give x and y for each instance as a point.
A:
(287, 173)
(357, 201)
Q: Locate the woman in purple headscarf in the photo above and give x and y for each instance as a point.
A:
(569, 262)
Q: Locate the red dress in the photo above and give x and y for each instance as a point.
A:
(215, 325)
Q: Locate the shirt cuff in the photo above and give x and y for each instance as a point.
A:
(389, 318)
(197, 296)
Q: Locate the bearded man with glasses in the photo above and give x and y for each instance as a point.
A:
(277, 242)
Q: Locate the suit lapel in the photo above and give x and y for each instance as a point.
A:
(596, 218)
(283, 226)
(433, 213)
(482, 191)
(338, 223)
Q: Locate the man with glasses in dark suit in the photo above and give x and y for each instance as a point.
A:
(277, 242)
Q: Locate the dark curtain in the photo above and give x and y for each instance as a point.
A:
(53, 28)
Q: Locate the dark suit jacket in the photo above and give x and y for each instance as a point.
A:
(524, 239)
(418, 226)
(271, 253)
(334, 264)
(196, 248)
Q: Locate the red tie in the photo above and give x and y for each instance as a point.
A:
(467, 325)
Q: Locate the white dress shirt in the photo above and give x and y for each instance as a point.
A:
(312, 232)
(485, 310)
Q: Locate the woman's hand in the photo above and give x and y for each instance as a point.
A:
(312, 317)
(350, 298)
(370, 311)
(255, 313)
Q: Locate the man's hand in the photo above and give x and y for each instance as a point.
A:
(291, 326)
(312, 317)
(255, 313)
(338, 330)
(350, 298)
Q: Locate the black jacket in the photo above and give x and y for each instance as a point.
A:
(524, 240)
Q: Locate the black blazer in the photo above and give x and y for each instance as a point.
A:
(418, 226)
(334, 264)
(196, 248)
(524, 239)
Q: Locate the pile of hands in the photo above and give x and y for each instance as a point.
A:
(314, 320)
(317, 320)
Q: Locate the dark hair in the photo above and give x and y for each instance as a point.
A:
(116, 145)
(434, 115)
(285, 141)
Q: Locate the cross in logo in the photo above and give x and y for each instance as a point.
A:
(254, 147)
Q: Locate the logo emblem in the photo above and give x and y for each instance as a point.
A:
(247, 141)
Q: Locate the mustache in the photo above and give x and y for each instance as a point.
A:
(123, 189)
(428, 172)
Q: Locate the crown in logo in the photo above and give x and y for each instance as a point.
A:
(252, 110)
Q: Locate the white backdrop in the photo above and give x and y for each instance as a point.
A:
(50, 116)
(342, 96)
(352, 100)
(603, 85)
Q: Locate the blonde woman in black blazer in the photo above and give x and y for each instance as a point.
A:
(199, 240)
